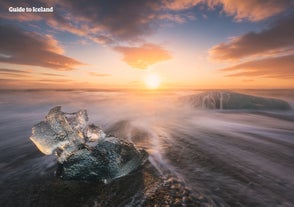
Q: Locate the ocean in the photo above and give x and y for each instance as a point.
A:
(212, 157)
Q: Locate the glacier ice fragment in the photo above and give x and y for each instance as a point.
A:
(83, 151)
(232, 100)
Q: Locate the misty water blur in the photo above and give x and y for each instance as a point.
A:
(235, 157)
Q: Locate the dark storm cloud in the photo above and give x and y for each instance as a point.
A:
(27, 48)
(274, 67)
(278, 38)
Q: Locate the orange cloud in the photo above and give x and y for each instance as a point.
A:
(143, 56)
(253, 10)
(28, 48)
(274, 67)
(276, 39)
(272, 48)
(53, 80)
(98, 74)
(180, 4)
(13, 71)
(36, 84)
(51, 74)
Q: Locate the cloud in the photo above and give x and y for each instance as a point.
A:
(248, 80)
(123, 20)
(28, 48)
(20, 16)
(113, 21)
(143, 56)
(52, 74)
(53, 80)
(266, 54)
(8, 73)
(253, 10)
(4, 70)
(98, 74)
(273, 67)
(13, 73)
(275, 39)
(15, 83)
(180, 4)
(103, 21)
(177, 18)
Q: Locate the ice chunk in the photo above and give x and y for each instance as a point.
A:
(109, 159)
(94, 133)
(78, 121)
(84, 151)
(232, 100)
(60, 132)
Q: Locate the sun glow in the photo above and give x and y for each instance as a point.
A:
(152, 81)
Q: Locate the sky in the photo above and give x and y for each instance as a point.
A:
(147, 44)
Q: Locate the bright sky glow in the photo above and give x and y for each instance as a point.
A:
(112, 44)
(152, 81)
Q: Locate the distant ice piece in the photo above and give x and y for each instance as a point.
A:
(84, 151)
(232, 100)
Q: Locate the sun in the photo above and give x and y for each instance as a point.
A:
(152, 81)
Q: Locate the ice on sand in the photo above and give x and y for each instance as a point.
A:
(84, 151)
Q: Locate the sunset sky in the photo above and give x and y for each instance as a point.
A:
(115, 44)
